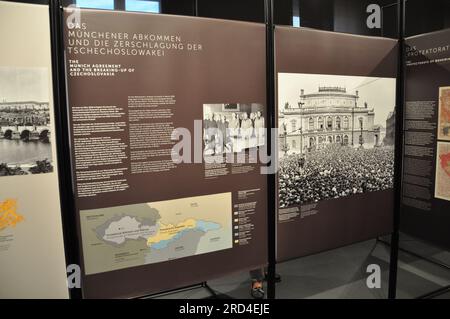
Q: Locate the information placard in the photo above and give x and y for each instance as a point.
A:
(32, 261)
(336, 121)
(166, 118)
(426, 177)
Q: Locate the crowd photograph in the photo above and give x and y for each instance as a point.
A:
(334, 137)
(232, 128)
(334, 172)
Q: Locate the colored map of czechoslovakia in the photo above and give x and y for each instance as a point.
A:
(169, 233)
(147, 233)
(445, 163)
(8, 214)
(157, 235)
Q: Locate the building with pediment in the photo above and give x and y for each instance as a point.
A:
(329, 116)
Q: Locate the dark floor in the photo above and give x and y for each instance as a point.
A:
(341, 274)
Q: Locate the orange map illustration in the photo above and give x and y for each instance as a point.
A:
(8, 214)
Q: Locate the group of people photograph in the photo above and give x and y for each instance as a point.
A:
(232, 128)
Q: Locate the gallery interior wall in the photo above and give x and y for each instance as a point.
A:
(426, 16)
(333, 15)
(339, 15)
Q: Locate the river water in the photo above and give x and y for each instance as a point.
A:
(20, 152)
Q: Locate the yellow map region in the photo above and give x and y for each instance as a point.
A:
(8, 214)
(167, 232)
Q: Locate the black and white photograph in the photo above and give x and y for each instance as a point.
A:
(336, 136)
(232, 128)
(25, 130)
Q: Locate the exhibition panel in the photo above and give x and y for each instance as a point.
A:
(336, 97)
(167, 125)
(31, 239)
(426, 176)
(145, 155)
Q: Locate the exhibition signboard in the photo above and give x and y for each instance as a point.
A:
(32, 260)
(166, 119)
(336, 96)
(426, 174)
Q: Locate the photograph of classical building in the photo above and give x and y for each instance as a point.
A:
(331, 115)
(25, 131)
(336, 136)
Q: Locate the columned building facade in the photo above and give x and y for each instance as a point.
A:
(328, 116)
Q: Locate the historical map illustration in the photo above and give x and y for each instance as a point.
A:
(135, 235)
(444, 113)
(442, 190)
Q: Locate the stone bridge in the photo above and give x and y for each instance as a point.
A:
(25, 133)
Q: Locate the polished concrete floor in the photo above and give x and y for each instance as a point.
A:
(341, 274)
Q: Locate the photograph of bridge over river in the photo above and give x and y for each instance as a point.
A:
(25, 143)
